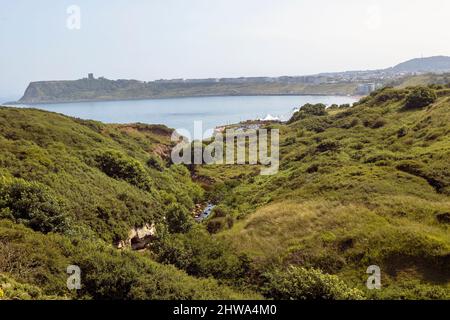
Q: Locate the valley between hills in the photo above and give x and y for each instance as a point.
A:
(360, 185)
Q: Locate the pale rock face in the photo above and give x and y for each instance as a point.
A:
(145, 231)
(139, 238)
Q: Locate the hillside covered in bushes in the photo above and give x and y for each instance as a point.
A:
(358, 185)
(71, 189)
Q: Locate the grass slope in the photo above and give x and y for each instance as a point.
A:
(70, 188)
(67, 154)
(358, 186)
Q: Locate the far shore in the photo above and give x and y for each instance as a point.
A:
(24, 103)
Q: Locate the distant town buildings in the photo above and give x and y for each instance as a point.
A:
(364, 81)
(369, 81)
(367, 88)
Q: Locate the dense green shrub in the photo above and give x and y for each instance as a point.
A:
(348, 123)
(217, 192)
(199, 254)
(32, 204)
(10, 289)
(420, 97)
(106, 276)
(328, 145)
(373, 121)
(309, 110)
(155, 162)
(178, 218)
(219, 212)
(318, 109)
(119, 166)
(315, 124)
(378, 123)
(389, 94)
(297, 283)
(215, 225)
(411, 290)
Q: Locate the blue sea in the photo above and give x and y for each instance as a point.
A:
(181, 113)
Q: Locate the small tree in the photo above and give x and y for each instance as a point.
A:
(420, 98)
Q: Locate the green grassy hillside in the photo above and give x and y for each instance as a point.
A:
(70, 189)
(108, 178)
(33, 266)
(357, 186)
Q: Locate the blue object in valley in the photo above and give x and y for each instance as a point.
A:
(205, 214)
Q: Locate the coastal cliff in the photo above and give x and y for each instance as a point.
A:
(102, 89)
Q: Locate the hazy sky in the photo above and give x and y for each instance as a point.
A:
(153, 39)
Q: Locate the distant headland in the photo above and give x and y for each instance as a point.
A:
(338, 83)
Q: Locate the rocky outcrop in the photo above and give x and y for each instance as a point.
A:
(138, 238)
